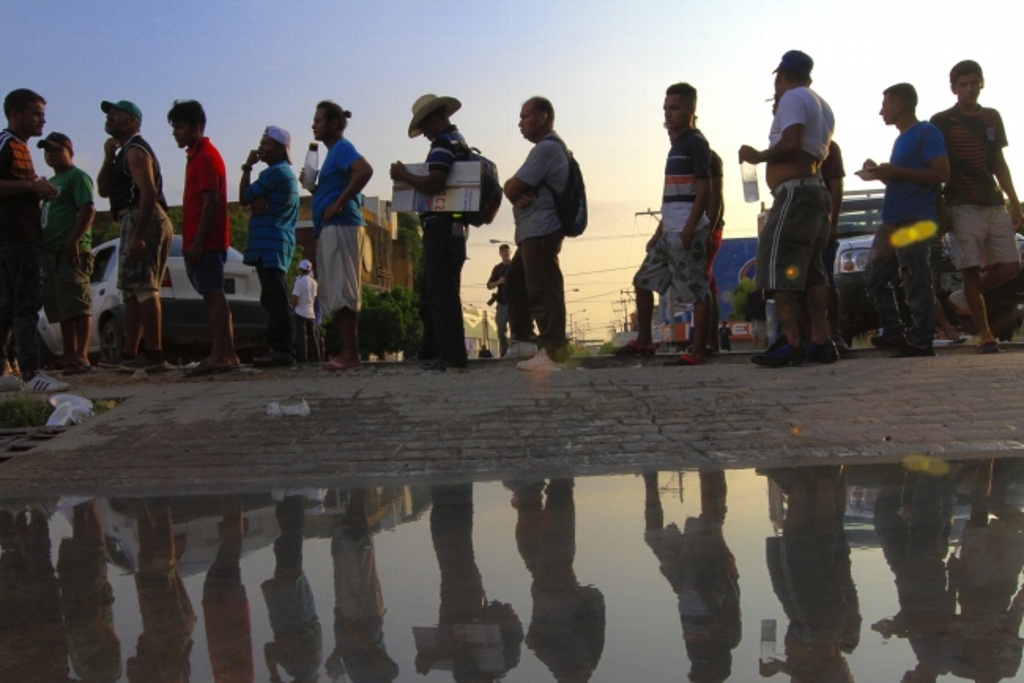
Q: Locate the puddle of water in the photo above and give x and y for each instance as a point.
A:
(823, 573)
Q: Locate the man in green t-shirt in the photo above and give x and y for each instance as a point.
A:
(67, 253)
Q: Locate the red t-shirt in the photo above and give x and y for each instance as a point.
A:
(205, 172)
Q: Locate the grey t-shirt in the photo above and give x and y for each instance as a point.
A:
(546, 168)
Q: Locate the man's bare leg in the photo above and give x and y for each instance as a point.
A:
(644, 315)
(347, 322)
(817, 307)
(976, 303)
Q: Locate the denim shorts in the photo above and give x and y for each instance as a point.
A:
(208, 276)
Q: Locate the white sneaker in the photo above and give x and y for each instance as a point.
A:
(42, 383)
(10, 383)
(539, 363)
(521, 349)
(958, 301)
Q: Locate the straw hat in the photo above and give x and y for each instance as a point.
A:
(427, 104)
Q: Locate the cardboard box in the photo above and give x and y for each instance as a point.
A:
(461, 194)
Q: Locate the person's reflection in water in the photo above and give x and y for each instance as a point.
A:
(298, 643)
(568, 623)
(33, 642)
(478, 640)
(985, 575)
(359, 649)
(88, 598)
(163, 648)
(226, 605)
(913, 523)
(702, 572)
(809, 567)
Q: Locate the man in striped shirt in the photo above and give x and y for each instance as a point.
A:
(677, 253)
(980, 225)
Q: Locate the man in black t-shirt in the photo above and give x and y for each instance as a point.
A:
(497, 282)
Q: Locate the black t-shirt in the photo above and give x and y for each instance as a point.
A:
(498, 272)
(21, 213)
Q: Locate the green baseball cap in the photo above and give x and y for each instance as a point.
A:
(123, 105)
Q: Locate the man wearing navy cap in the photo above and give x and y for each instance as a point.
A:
(790, 245)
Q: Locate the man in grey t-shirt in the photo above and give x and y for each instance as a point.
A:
(534, 284)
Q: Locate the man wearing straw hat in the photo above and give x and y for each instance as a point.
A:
(444, 236)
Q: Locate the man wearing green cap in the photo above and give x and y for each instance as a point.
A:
(130, 178)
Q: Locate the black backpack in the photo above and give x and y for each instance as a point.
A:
(571, 204)
(491, 192)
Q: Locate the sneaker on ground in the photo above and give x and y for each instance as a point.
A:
(140, 362)
(521, 349)
(41, 383)
(780, 354)
(841, 346)
(958, 300)
(10, 383)
(434, 365)
(821, 353)
(539, 363)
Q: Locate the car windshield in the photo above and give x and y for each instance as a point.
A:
(860, 216)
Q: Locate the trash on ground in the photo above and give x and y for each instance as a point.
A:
(140, 374)
(300, 409)
(68, 408)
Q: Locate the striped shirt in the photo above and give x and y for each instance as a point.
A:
(973, 144)
(20, 214)
(271, 241)
(688, 159)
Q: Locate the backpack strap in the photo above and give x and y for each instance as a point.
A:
(565, 150)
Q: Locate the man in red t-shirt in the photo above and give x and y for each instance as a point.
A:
(205, 230)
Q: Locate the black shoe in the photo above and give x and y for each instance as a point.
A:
(881, 341)
(780, 354)
(911, 351)
(436, 365)
(274, 359)
(822, 353)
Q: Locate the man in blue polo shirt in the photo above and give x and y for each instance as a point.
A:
(912, 180)
(274, 200)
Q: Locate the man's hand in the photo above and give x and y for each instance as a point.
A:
(253, 158)
(43, 188)
(687, 236)
(136, 249)
(1015, 216)
(71, 252)
(193, 253)
(331, 211)
(398, 171)
(110, 146)
(749, 155)
(524, 200)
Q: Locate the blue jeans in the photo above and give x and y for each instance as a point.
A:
(444, 253)
(21, 297)
(911, 262)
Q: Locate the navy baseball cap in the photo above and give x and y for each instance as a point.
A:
(797, 62)
(56, 140)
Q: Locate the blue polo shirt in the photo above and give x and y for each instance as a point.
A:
(334, 177)
(271, 241)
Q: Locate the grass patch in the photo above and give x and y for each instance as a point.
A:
(24, 411)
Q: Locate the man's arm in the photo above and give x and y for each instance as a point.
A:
(936, 172)
(700, 206)
(835, 195)
(140, 165)
(716, 202)
(1002, 174)
(361, 172)
(83, 221)
(41, 188)
(246, 180)
(788, 147)
(519, 192)
(432, 183)
(103, 177)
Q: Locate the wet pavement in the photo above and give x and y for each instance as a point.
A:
(829, 572)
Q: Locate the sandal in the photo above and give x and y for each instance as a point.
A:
(990, 346)
(203, 369)
(334, 366)
(686, 360)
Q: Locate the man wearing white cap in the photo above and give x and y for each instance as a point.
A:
(274, 201)
(444, 236)
(307, 334)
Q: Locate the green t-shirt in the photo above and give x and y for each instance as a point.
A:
(59, 213)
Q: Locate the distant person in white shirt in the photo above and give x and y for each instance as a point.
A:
(307, 348)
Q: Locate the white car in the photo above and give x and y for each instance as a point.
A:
(186, 324)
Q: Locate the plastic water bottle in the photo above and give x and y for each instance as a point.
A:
(748, 172)
(771, 321)
(768, 630)
(311, 167)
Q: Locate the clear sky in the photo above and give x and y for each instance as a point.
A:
(604, 64)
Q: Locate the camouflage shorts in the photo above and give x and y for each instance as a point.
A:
(669, 264)
(147, 273)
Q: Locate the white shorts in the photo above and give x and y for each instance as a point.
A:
(338, 260)
(984, 234)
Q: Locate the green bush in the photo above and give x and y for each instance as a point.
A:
(24, 411)
(389, 322)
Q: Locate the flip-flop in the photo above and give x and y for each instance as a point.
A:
(334, 366)
(632, 348)
(204, 370)
(990, 346)
(686, 360)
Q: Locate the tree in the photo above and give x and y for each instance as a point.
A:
(739, 298)
(389, 322)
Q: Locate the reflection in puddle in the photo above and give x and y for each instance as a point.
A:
(823, 573)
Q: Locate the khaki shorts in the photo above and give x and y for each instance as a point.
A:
(338, 260)
(984, 234)
(148, 273)
(67, 292)
(670, 264)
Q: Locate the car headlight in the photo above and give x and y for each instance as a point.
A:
(852, 261)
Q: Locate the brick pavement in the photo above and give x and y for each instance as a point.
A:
(179, 435)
